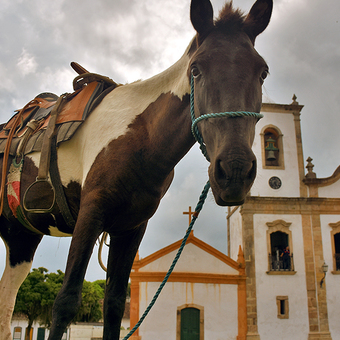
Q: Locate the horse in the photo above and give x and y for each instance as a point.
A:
(120, 162)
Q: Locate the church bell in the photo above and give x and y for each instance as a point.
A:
(271, 156)
(271, 148)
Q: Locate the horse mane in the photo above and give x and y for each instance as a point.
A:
(230, 20)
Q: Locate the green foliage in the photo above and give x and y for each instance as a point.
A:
(37, 294)
(90, 309)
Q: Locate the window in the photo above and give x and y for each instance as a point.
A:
(64, 336)
(29, 333)
(190, 322)
(41, 334)
(17, 333)
(335, 240)
(279, 243)
(337, 251)
(272, 148)
(282, 307)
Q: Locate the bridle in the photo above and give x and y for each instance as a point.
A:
(195, 120)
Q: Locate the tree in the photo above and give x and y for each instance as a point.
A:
(36, 296)
(91, 304)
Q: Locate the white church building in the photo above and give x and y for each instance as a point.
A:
(282, 279)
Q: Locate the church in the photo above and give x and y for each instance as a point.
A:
(281, 276)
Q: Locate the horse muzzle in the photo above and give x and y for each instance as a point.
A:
(231, 180)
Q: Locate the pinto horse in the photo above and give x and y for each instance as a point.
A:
(120, 162)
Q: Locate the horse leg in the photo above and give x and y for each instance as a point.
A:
(10, 283)
(122, 253)
(20, 249)
(68, 299)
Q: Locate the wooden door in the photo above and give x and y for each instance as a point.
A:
(190, 324)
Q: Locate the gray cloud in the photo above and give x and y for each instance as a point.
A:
(129, 40)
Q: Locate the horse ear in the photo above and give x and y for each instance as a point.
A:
(201, 15)
(258, 18)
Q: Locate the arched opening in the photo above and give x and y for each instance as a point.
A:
(272, 148)
(280, 257)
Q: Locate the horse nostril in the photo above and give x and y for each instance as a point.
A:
(252, 171)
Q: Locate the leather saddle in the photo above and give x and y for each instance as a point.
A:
(29, 128)
(41, 125)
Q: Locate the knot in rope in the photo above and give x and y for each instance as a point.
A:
(195, 121)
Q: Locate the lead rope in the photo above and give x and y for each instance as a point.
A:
(179, 252)
(203, 196)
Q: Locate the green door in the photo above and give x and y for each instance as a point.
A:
(41, 334)
(190, 324)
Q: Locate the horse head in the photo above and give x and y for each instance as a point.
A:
(227, 75)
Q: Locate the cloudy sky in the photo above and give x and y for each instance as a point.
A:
(129, 40)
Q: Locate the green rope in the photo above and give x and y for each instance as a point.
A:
(198, 208)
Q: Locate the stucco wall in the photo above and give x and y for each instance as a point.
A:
(290, 174)
(330, 191)
(235, 234)
(332, 280)
(220, 309)
(268, 287)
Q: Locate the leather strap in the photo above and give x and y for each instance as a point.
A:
(60, 197)
(45, 155)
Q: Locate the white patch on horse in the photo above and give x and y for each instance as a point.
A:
(113, 116)
(11, 280)
(54, 231)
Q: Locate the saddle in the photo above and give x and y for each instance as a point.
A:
(44, 119)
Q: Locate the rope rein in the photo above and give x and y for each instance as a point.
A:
(179, 252)
(202, 198)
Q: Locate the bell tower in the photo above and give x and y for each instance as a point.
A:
(278, 149)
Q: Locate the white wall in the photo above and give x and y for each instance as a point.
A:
(332, 281)
(193, 259)
(268, 287)
(290, 175)
(235, 234)
(220, 309)
(330, 191)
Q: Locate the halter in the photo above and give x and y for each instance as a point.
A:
(195, 120)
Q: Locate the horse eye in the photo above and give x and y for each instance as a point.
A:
(195, 72)
(264, 75)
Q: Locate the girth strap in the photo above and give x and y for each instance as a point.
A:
(58, 187)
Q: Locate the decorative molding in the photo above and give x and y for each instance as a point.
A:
(188, 277)
(279, 225)
(274, 272)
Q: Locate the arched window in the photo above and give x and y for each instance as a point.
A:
(190, 322)
(279, 242)
(272, 147)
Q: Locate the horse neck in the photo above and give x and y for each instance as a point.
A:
(167, 118)
(158, 107)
